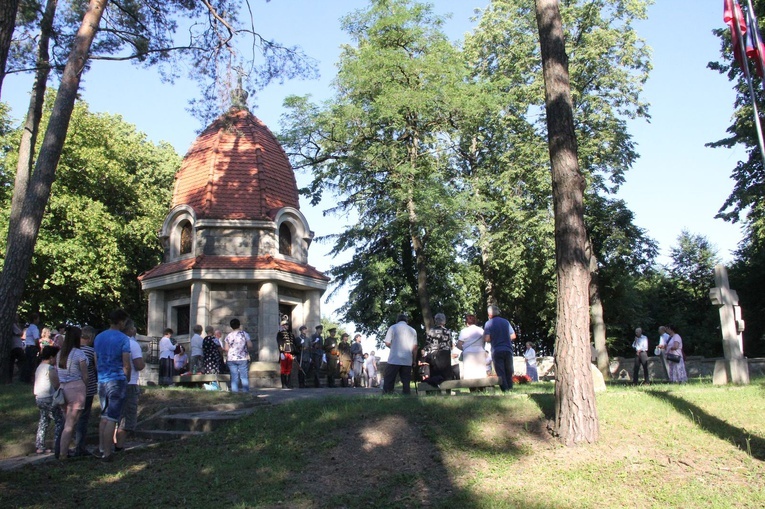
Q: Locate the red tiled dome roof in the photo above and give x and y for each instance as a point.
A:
(236, 169)
(233, 262)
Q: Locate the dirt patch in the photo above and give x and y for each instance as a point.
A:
(391, 453)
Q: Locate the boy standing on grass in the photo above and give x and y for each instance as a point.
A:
(114, 368)
(86, 345)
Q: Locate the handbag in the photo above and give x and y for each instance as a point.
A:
(673, 357)
(58, 397)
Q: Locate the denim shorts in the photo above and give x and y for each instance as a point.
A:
(112, 397)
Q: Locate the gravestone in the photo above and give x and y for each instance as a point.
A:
(598, 382)
(735, 367)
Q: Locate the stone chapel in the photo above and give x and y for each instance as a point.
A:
(235, 241)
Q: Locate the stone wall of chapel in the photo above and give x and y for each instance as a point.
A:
(228, 242)
(235, 300)
(176, 294)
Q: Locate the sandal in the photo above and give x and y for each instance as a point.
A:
(43, 451)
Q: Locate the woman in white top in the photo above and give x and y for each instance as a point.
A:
(531, 362)
(472, 345)
(72, 367)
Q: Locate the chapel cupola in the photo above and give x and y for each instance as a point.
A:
(235, 241)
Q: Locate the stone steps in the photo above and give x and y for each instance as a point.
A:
(191, 420)
(160, 435)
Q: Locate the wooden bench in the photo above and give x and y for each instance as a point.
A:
(200, 380)
(489, 382)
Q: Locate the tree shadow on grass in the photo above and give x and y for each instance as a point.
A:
(546, 403)
(723, 430)
(380, 452)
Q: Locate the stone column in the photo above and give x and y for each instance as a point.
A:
(199, 311)
(268, 322)
(156, 316)
(312, 309)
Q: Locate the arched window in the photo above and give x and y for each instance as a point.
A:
(285, 240)
(185, 245)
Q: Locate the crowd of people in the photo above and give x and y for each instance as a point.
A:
(69, 365)
(669, 349)
(68, 372)
(439, 359)
(343, 361)
(80, 364)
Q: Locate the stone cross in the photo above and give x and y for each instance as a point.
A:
(735, 367)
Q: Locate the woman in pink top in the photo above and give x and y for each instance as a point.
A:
(72, 367)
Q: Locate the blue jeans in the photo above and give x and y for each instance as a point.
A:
(111, 394)
(239, 372)
(503, 364)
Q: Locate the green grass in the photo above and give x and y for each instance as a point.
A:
(687, 446)
(19, 416)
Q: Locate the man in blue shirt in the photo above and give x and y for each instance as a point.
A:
(114, 365)
(500, 334)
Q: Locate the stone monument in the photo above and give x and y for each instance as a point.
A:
(735, 367)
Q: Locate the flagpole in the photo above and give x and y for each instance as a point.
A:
(740, 36)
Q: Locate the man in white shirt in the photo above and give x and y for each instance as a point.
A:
(402, 341)
(640, 344)
(663, 337)
(31, 348)
(196, 350)
(166, 354)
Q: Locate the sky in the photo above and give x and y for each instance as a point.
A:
(677, 183)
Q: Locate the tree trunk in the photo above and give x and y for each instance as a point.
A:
(486, 255)
(423, 296)
(21, 245)
(8, 10)
(410, 273)
(32, 122)
(596, 316)
(576, 418)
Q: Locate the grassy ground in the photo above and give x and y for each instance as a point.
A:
(685, 446)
